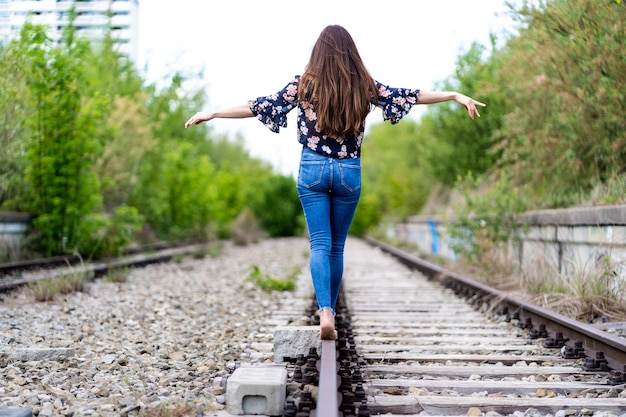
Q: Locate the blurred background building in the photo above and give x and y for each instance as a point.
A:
(93, 17)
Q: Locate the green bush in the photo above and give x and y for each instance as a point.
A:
(488, 221)
(277, 207)
(566, 75)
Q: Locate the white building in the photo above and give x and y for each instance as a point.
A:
(92, 19)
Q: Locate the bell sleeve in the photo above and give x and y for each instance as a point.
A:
(396, 102)
(272, 110)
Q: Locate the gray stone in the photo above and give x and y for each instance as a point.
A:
(36, 354)
(143, 323)
(108, 359)
(129, 409)
(16, 412)
(291, 341)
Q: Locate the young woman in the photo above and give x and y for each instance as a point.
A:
(333, 96)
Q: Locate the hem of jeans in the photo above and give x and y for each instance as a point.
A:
(327, 308)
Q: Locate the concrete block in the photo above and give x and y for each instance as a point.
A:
(257, 390)
(291, 341)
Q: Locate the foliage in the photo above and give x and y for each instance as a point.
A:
(268, 283)
(111, 233)
(193, 183)
(96, 154)
(546, 127)
(74, 281)
(60, 185)
(590, 292)
(403, 164)
(128, 140)
(278, 207)
(175, 195)
(396, 177)
(461, 145)
(612, 191)
(367, 216)
(566, 76)
(13, 114)
(488, 221)
(45, 289)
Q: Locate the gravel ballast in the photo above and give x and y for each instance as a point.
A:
(162, 339)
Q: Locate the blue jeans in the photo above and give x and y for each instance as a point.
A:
(329, 191)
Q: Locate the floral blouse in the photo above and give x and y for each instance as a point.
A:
(272, 112)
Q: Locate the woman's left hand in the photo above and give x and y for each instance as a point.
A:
(470, 104)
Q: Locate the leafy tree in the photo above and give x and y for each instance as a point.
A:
(403, 164)
(61, 187)
(129, 138)
(177, 196)
(94, 153)
(395, 169)
(368, 214)
(488, 221)
(464, 146)
(277, 207)
(566, 77)
(173, 181)
(124, 131)
(13, 112)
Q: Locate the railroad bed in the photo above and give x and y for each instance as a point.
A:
(159, 340)
(425, 351)
(174, 331)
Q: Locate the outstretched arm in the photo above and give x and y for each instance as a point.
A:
(430, 97)
(238, 112)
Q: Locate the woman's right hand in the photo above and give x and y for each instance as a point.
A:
(198, 118)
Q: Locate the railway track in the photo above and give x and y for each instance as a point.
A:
(421, 348)
(17, 274)
(412, 346)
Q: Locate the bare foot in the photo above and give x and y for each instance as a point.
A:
(327, 325)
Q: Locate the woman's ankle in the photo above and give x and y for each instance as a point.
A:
(332, 312)
(327, 324)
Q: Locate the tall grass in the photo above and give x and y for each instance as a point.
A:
(588, 292)
(47, 288)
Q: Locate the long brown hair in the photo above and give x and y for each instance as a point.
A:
(337, 84)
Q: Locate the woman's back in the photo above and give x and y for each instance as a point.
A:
(337, 84)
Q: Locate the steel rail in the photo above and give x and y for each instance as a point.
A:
(597, 344)
(327, 400)
(70, 260)
(101, 268)
(56, 261)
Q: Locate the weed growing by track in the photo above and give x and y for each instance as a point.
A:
(588, 292)
(46, 289)
(269, 283)
(117, 275)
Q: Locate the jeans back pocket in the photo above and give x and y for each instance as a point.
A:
(310, 173)
(350, 176)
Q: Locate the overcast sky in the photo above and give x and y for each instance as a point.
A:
(250, 48)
